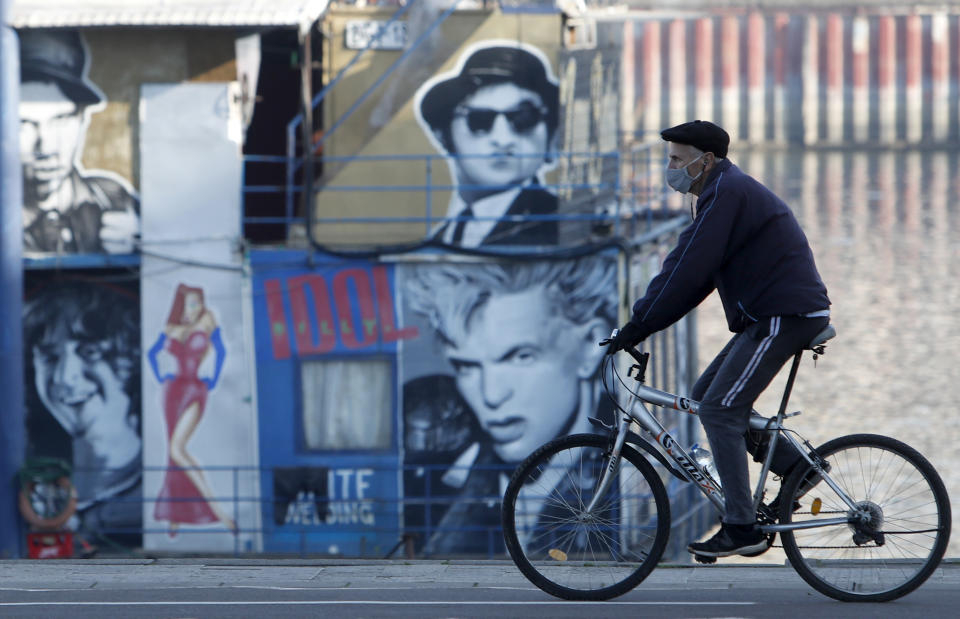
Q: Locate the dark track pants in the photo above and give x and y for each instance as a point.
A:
(727, 390)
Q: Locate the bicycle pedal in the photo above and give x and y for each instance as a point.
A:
(703, 559)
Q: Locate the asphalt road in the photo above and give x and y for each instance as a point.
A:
(419, 589)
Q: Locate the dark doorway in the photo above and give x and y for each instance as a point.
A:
(278, 102)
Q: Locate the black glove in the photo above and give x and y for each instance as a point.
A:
(629, 335)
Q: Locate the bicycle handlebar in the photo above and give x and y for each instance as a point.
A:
(640, 357)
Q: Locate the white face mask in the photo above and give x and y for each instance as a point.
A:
(679, 179)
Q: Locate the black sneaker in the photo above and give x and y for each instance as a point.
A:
(730, 540)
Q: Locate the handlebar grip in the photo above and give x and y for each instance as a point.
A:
(640, 357)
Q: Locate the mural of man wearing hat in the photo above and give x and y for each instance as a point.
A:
(496, 117)
(66, 209)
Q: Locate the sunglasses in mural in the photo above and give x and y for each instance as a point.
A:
(522, 119)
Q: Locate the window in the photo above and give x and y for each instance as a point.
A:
(347, 404)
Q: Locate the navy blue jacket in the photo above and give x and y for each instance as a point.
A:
(746, 243)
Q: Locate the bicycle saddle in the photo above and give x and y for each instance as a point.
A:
(828, 333)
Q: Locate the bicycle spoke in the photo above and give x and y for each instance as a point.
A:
(895, 536)
(574, 554)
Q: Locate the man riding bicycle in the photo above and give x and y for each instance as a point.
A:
(745, 243)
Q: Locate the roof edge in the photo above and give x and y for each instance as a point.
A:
(295, 14)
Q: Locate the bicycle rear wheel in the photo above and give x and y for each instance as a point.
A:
(902, 533)
(568, 552)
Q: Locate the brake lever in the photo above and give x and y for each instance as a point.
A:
(607, 341)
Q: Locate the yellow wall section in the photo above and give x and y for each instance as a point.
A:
(121, 60)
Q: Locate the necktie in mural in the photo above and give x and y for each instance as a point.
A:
(465, 216)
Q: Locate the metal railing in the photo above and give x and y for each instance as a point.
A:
(629, 191)
(403, 525)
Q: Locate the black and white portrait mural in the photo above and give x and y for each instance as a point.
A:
(495, 117)
(82, 372)
(67, 209)
(507, 359)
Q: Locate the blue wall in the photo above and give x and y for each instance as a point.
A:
(327, 502)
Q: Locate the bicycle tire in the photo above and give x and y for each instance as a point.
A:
(585, 558)
(875, 561)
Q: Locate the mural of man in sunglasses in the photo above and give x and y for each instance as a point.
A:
(495, 117)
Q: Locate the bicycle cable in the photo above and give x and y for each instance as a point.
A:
(604, 370)
(625, 385)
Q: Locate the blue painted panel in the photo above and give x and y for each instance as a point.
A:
(327, 502)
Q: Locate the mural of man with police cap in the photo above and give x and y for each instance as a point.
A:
(66, 209)
(496, 117)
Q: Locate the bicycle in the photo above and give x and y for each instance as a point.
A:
(863, 517)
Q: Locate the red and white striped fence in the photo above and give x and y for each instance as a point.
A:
(832, 78)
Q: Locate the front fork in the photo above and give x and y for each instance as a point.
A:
(609, 472)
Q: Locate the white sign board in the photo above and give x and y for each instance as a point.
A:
(360, 34)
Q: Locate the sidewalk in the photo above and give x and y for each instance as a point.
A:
(384, 574)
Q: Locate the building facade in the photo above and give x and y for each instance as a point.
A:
(313, 279)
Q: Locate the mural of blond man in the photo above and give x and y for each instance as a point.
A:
(519, 365)
(496, 118)
(67, 210)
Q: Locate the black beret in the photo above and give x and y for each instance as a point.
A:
(701, 134)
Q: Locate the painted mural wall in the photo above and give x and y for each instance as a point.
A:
(506, 359)
(200, 466)
(460, 369)
(327, 335)
(78, 128)
(68, 208)
(93, 397)
(395, 398)
(83, 405)
(495, 117)
(466, 113)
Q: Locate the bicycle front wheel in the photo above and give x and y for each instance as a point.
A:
(574, 554)
(895, 537)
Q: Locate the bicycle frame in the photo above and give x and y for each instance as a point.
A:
(685, 467)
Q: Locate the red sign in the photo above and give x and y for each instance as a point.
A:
(349, 309)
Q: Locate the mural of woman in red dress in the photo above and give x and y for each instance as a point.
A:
(190, 334)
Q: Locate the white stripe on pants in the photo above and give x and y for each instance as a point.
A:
(754, 362)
